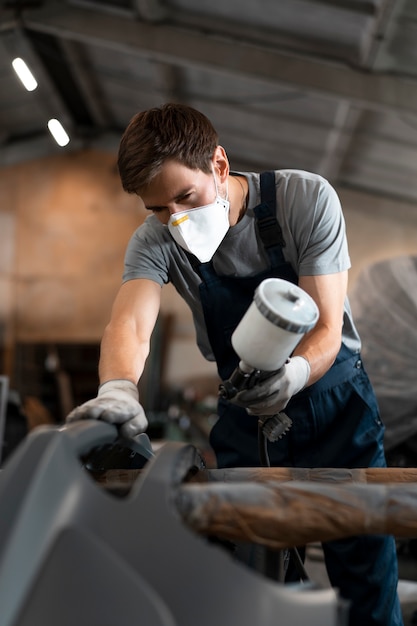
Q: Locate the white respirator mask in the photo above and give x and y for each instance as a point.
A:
(202, 229)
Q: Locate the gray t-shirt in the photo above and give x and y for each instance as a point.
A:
(313, 227)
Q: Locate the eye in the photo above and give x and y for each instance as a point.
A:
(186, 197)
(155, 209)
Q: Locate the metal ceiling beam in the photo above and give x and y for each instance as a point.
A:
(180, 46)
(49, 49)
(386, 23)
(368, 7)
(338, 141)
(17, 43)
(151, 10)
(87, 83)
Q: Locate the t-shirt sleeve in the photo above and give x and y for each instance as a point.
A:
(146, 255)
(317, 225)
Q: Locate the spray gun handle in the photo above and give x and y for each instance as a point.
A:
(243, 377)
(238, 381)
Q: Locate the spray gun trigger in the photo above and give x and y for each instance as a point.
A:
(253, 379)
(239, 380)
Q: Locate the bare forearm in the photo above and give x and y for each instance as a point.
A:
(124, 349)
(122, 354)
(126, 339)
(320, 347)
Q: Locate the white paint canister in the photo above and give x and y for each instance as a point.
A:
(276, 321)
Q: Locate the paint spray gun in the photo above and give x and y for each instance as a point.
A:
(275, 322)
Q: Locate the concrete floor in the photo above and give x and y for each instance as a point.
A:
(407, 587)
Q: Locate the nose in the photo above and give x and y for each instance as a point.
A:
(174, 208)
(165, 215)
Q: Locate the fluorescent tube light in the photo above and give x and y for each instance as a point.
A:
(58, 132)
(24, 73)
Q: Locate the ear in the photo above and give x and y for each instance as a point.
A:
(221, 163)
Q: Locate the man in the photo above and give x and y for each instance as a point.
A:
(215, 235)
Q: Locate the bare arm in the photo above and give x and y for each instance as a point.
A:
(126, 339)
(124, 349)
(321, 345)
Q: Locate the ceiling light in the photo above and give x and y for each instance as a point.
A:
(58, 132)
(24, 74)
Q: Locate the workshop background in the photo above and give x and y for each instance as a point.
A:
(328, 86)
(324, 86)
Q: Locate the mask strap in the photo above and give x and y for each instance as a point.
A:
(216, 187)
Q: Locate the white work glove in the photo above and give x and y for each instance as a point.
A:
(272, 395)
(117, 402)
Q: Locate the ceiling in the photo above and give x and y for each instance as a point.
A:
(324, 85)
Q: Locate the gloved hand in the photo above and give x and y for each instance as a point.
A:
(117, 402)
(271, 395)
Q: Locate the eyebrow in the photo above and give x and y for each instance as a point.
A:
(176, 198)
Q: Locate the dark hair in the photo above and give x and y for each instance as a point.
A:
(172, 131)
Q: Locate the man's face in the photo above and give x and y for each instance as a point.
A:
(177, 188)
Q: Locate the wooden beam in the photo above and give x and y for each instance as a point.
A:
(284, 515)
(326, 474)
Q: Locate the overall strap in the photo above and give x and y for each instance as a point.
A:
(204, 270)
(268, 226)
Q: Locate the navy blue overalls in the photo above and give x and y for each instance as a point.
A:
(335, 424)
